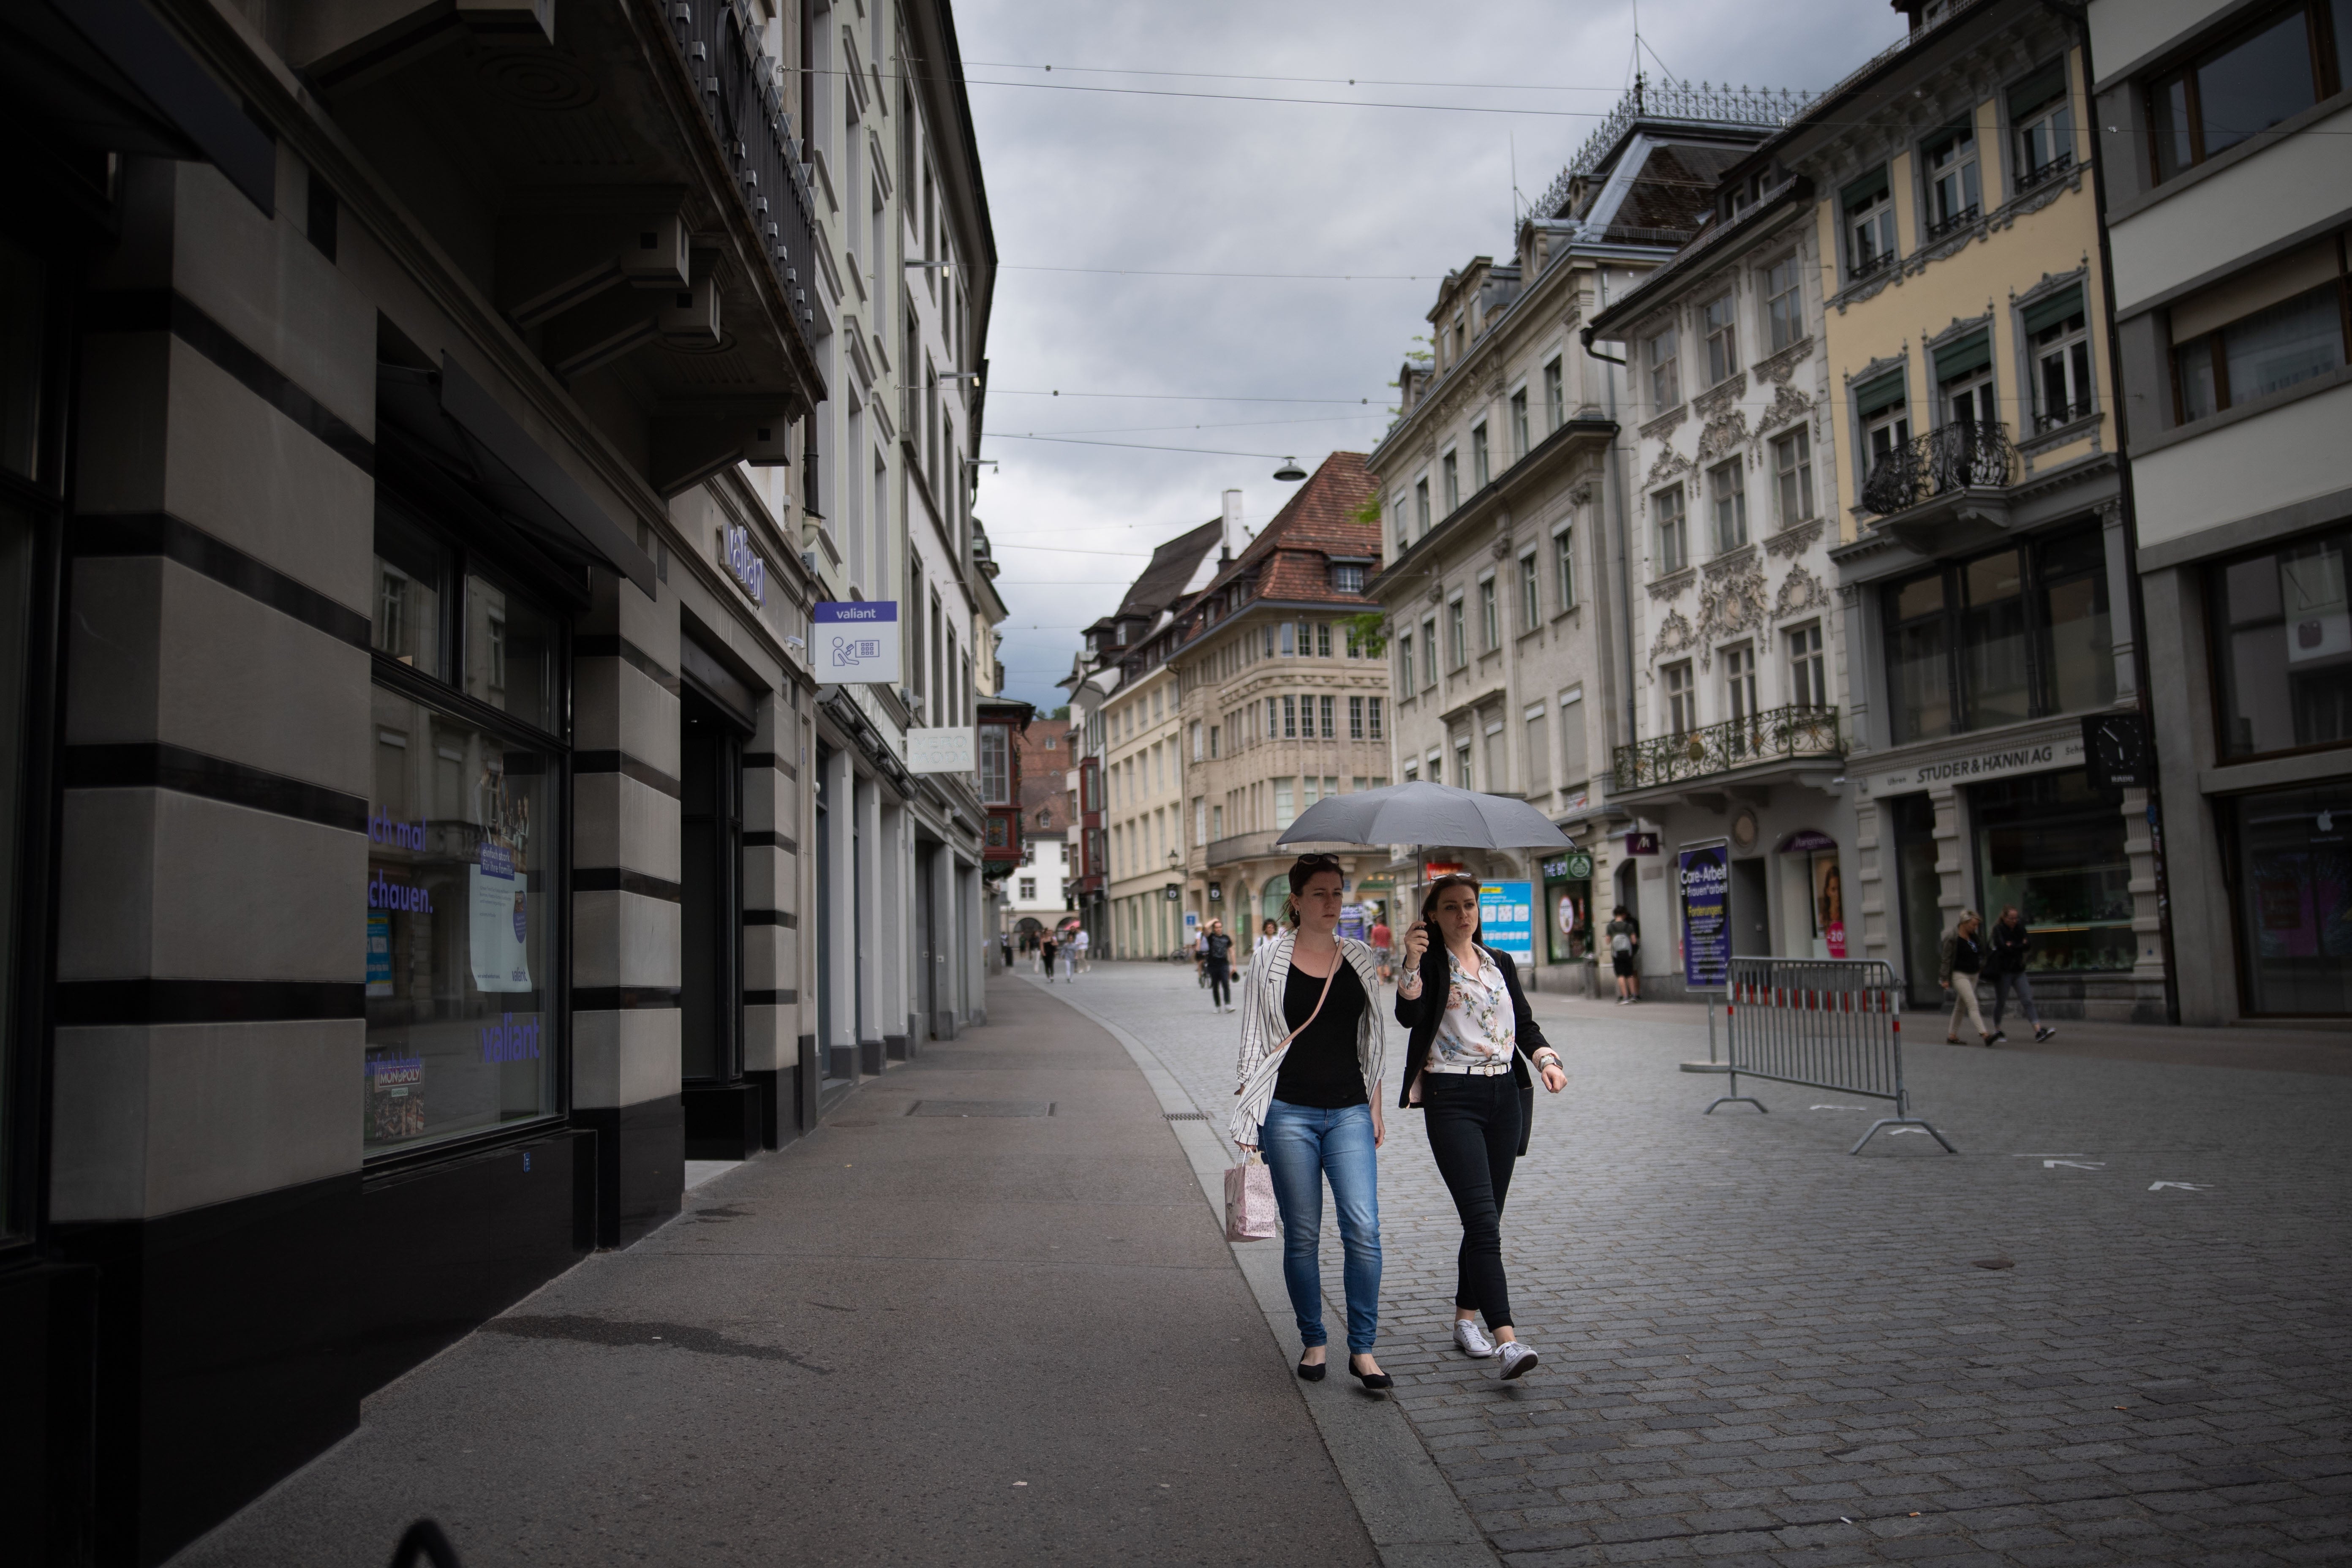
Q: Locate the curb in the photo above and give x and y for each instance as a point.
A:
(1412, 1516)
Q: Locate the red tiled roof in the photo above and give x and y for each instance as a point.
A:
(1290, 555)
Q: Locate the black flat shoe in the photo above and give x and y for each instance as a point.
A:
(1372, 1381)
(1314, 1373)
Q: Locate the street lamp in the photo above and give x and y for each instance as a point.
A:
(1290, 473)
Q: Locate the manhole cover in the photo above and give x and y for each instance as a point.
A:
(982, 1108)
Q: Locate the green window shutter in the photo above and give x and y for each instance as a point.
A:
(2049, 312)
(1971, 352)
(1865, 191)
(1877, 395)
(2038, 89)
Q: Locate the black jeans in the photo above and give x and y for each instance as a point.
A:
(1220, 985)
(1472, 1124)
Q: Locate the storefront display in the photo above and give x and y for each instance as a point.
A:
(2049, 845)
(2294, 895)
(1568, 908)
(464, 850)
(2284, 635)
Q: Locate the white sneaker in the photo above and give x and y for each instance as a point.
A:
(1473, 1338)
(1519, 1359)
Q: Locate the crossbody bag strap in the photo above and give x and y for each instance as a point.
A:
(1318, 1007)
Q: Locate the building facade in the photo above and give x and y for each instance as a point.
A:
(1739, 681)
(1508, 500)
(1981, 557)
(1284, 699)
(1034, 900)
(2226, 221)
(517, 832)
(1142, 760)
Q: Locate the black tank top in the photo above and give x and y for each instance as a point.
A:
(1320, 1069)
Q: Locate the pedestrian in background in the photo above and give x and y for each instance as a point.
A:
(1384, 944)
(1216, 957)
(1045, 956)
(1963, 958)
(1624, 935)
(1471, 1040)
(1309, 1074)
(1070, 957)
(1082, 942)
(2011, 942)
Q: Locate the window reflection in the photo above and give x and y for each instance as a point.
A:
(2286, 639)
(510, 649)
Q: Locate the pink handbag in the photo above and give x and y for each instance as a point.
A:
(1250, 1212)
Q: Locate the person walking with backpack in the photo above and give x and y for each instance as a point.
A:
(1624, 935)
(1963, 957)
(2011, 942)
(1216, 957)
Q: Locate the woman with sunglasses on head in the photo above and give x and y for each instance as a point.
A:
(1465, 1063)
(1312, 1042)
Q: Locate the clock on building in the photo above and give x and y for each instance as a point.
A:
(2115, 750)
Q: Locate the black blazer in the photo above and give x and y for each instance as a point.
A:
(1420, 1015)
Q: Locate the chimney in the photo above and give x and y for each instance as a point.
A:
(1234, 538)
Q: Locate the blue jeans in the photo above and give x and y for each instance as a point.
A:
(1302, 1145)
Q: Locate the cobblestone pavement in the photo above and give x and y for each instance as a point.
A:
(1757, 1349)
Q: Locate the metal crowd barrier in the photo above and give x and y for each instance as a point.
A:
(1832, 1024)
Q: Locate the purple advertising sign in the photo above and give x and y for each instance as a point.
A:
(1704, 879)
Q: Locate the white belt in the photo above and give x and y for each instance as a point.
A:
(1475, 1070)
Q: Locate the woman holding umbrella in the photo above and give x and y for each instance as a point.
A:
(1471, 1040)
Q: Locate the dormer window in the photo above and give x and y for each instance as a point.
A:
(1347, 574)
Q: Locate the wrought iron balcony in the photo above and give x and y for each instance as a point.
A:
(2041, 173)
(738, 84)
(1937, 462)
(1779, 735)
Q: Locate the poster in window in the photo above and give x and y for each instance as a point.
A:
(497, 883)
(1829, 902)
(379, 953)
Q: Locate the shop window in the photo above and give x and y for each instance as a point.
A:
(2255, 79)
(466, 848)
(2293, 850)
(2283, 638)
(2050, 846)
(2009, 636)
(2042, 121)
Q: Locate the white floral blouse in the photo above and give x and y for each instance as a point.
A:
(1477, 1025)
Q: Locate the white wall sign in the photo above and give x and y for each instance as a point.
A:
(857, 642)
(941, 752)
(2066, 752)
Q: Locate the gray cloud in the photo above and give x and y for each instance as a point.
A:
(1114, 180)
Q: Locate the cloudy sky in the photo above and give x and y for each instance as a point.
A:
(1151, 178)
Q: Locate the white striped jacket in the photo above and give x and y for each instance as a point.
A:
(1264, 1026)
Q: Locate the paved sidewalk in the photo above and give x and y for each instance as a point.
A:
(2113, 1330)
(907, 1339)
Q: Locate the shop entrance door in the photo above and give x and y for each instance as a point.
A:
(824, 977)
(1920, 892)
(720, 1123)
(927, 939)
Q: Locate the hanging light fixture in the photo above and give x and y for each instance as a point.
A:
(1290, 473)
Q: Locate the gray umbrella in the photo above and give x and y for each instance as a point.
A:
(1423, 813)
